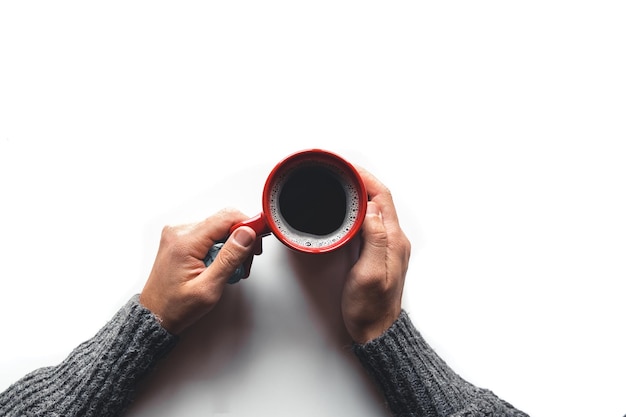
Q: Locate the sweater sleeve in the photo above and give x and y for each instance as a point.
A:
(416, 382)
(100, 376)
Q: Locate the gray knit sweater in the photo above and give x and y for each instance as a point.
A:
(101, 375)
(416, 382)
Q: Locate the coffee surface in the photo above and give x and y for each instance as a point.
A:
(313, 200)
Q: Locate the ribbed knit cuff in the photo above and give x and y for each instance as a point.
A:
(100, 376)
(417, 382)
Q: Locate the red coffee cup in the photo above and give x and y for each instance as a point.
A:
(314, 201)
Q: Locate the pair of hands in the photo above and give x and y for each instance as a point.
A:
(181, 289)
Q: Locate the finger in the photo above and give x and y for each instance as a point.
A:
(214, 228)
(372, 184)
(238, 249)
(378, 192)
(374, 243)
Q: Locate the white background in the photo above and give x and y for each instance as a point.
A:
(498, 126)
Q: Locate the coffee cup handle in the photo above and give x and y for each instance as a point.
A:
(259, 225)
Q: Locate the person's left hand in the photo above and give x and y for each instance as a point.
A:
(180, 288)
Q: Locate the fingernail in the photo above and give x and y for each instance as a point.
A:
(243, 237)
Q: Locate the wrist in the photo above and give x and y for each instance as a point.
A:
(371, 330)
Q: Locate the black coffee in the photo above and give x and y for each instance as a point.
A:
(313, 200)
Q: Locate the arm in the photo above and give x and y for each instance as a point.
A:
(417, 382)
(100, 377)
(413, 378)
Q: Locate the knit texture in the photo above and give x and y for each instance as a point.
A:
(416, 382)
(100, 376)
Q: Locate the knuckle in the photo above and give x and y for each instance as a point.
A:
(378, 238)
(385, 193)
(229, 213)
(172, 233)
(401, 245)
(166, 233)
(172, 239)
(376, 233)
(405, 248)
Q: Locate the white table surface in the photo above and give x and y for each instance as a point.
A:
(499, 129)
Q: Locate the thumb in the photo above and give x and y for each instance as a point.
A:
(236, 250)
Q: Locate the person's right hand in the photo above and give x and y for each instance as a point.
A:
(372, 293)
(180, 288)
